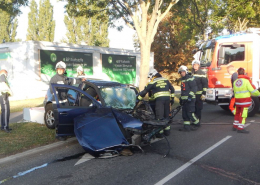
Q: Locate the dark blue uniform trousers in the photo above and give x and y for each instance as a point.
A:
(5, 112)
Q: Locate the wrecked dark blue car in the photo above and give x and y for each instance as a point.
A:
(103, 115)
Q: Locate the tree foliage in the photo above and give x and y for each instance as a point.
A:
(32, 31)
(41, 26)
(142, 15)
(46, 24)
(9, 9)
(12, 6)
(172, 45)
(88, 30)
(192, 21)
(8, 26)
(241, 9)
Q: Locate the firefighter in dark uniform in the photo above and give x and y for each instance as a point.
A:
(187, 99)
(202, 85)
(60, 78)
(163, 93)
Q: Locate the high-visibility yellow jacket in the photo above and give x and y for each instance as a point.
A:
(242, 91)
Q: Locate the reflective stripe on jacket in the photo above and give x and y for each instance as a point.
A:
(243, 90)
(158, 87)
(201, 81)
(188, 87)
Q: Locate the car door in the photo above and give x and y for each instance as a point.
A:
(67, 106)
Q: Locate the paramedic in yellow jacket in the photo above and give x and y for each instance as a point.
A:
(242, 91)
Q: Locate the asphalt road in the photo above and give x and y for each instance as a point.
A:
(213, 155)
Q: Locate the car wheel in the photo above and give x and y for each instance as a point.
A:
(49, 117)
(253, 109)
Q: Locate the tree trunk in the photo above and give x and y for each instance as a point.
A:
(145, 64)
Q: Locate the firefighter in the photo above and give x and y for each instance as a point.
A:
(242, 91)
(202, 85)
(163, 93)
(60, 78)
(187, 100)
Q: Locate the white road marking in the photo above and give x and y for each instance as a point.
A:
(246, 125)
(84, 158)
(186, 165)
(252, 121)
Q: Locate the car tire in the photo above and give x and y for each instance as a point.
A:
(253, 109)
(49, 116)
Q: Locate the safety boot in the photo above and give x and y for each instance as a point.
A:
(243, 131)
(160, 134)
(234, 129)
(195, 127)
(167, 132)
(186, 128)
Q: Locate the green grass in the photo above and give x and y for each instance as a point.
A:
(17, 106)
(25, 136)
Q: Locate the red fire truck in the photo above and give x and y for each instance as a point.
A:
(236, 50)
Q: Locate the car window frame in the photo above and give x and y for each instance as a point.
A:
(56, 99)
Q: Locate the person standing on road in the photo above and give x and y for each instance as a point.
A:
(187, 100)
(163, 93)
(5, 92)
(60, 78)
(242, 91)
(202, 85)
(231, 70)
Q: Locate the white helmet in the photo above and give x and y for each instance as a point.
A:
(195, 62)
(80, 68)
(183, 68)
(152, 73)
(60, 65)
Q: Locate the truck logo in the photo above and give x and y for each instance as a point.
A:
(53, 57)
(239, 83)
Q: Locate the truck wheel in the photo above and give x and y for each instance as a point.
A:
(49, 117)
(253, 109)
(225, 107)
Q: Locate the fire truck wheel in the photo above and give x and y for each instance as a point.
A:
(253, 109)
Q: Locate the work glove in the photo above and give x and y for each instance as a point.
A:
(151, 98)
(189, 99)
(139, 97)
(203, 97)
(172, 101)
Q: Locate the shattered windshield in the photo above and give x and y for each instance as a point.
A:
(119, 97)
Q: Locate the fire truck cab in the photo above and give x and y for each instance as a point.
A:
(221, 53)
